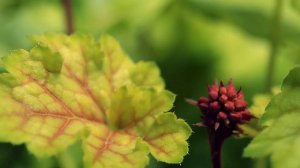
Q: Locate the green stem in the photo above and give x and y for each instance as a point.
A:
(274, 40)
(67, 4)
(261, 163)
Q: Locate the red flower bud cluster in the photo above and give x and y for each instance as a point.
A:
(224, 109)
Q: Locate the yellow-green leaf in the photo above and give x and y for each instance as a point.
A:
(280, 139)
(139, 104)
(167, 138)
(260, 102)
(147, 74)
(76, 88)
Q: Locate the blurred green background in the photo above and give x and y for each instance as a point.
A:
(193, 42)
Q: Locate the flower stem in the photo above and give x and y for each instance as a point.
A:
(216, 143)
(67, 4)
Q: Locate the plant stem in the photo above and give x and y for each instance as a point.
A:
(215, 143)
(274, 40)
(67, 4)
(261, 163)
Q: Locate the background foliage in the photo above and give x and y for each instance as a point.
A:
(193, 41)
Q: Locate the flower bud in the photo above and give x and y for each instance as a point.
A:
(225, 109)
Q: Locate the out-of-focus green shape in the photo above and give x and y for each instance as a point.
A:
(19, 19)
(296, 5)
(260, 102)
(254, 16)
(57, 94)
(281, 138)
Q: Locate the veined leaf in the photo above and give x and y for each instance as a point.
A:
(71, 88)
(281, 138)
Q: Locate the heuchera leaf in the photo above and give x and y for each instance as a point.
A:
(71, 88)
(260, 102)
(281, 137)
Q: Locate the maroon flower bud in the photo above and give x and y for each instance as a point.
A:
(246, 115)
(203, 105)
(214, 87)
(222, 115)
(224, 110)
(229, 105)
(223, 98)
(231, 92)
(217, 125)
(223, 90)
(236, 116)
(213, 94)
(240, 95)
(214, 105)
(240, 104)
(203, 100)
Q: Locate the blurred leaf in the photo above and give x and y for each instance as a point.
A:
(296, 5)
(260, 102)
(70, 158)
(281, 138)
(32, 18)
(253, 16)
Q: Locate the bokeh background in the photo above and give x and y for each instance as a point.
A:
(193, 42)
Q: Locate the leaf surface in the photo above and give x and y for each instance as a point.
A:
(281, 138)
(75, 88)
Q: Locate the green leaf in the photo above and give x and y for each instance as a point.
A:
(295, 4)
(240, 12)
(147, 74)
(140, 104)
(260, 102)
(51, 61)
(281, 138)
(75, 88)
(167, 138)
